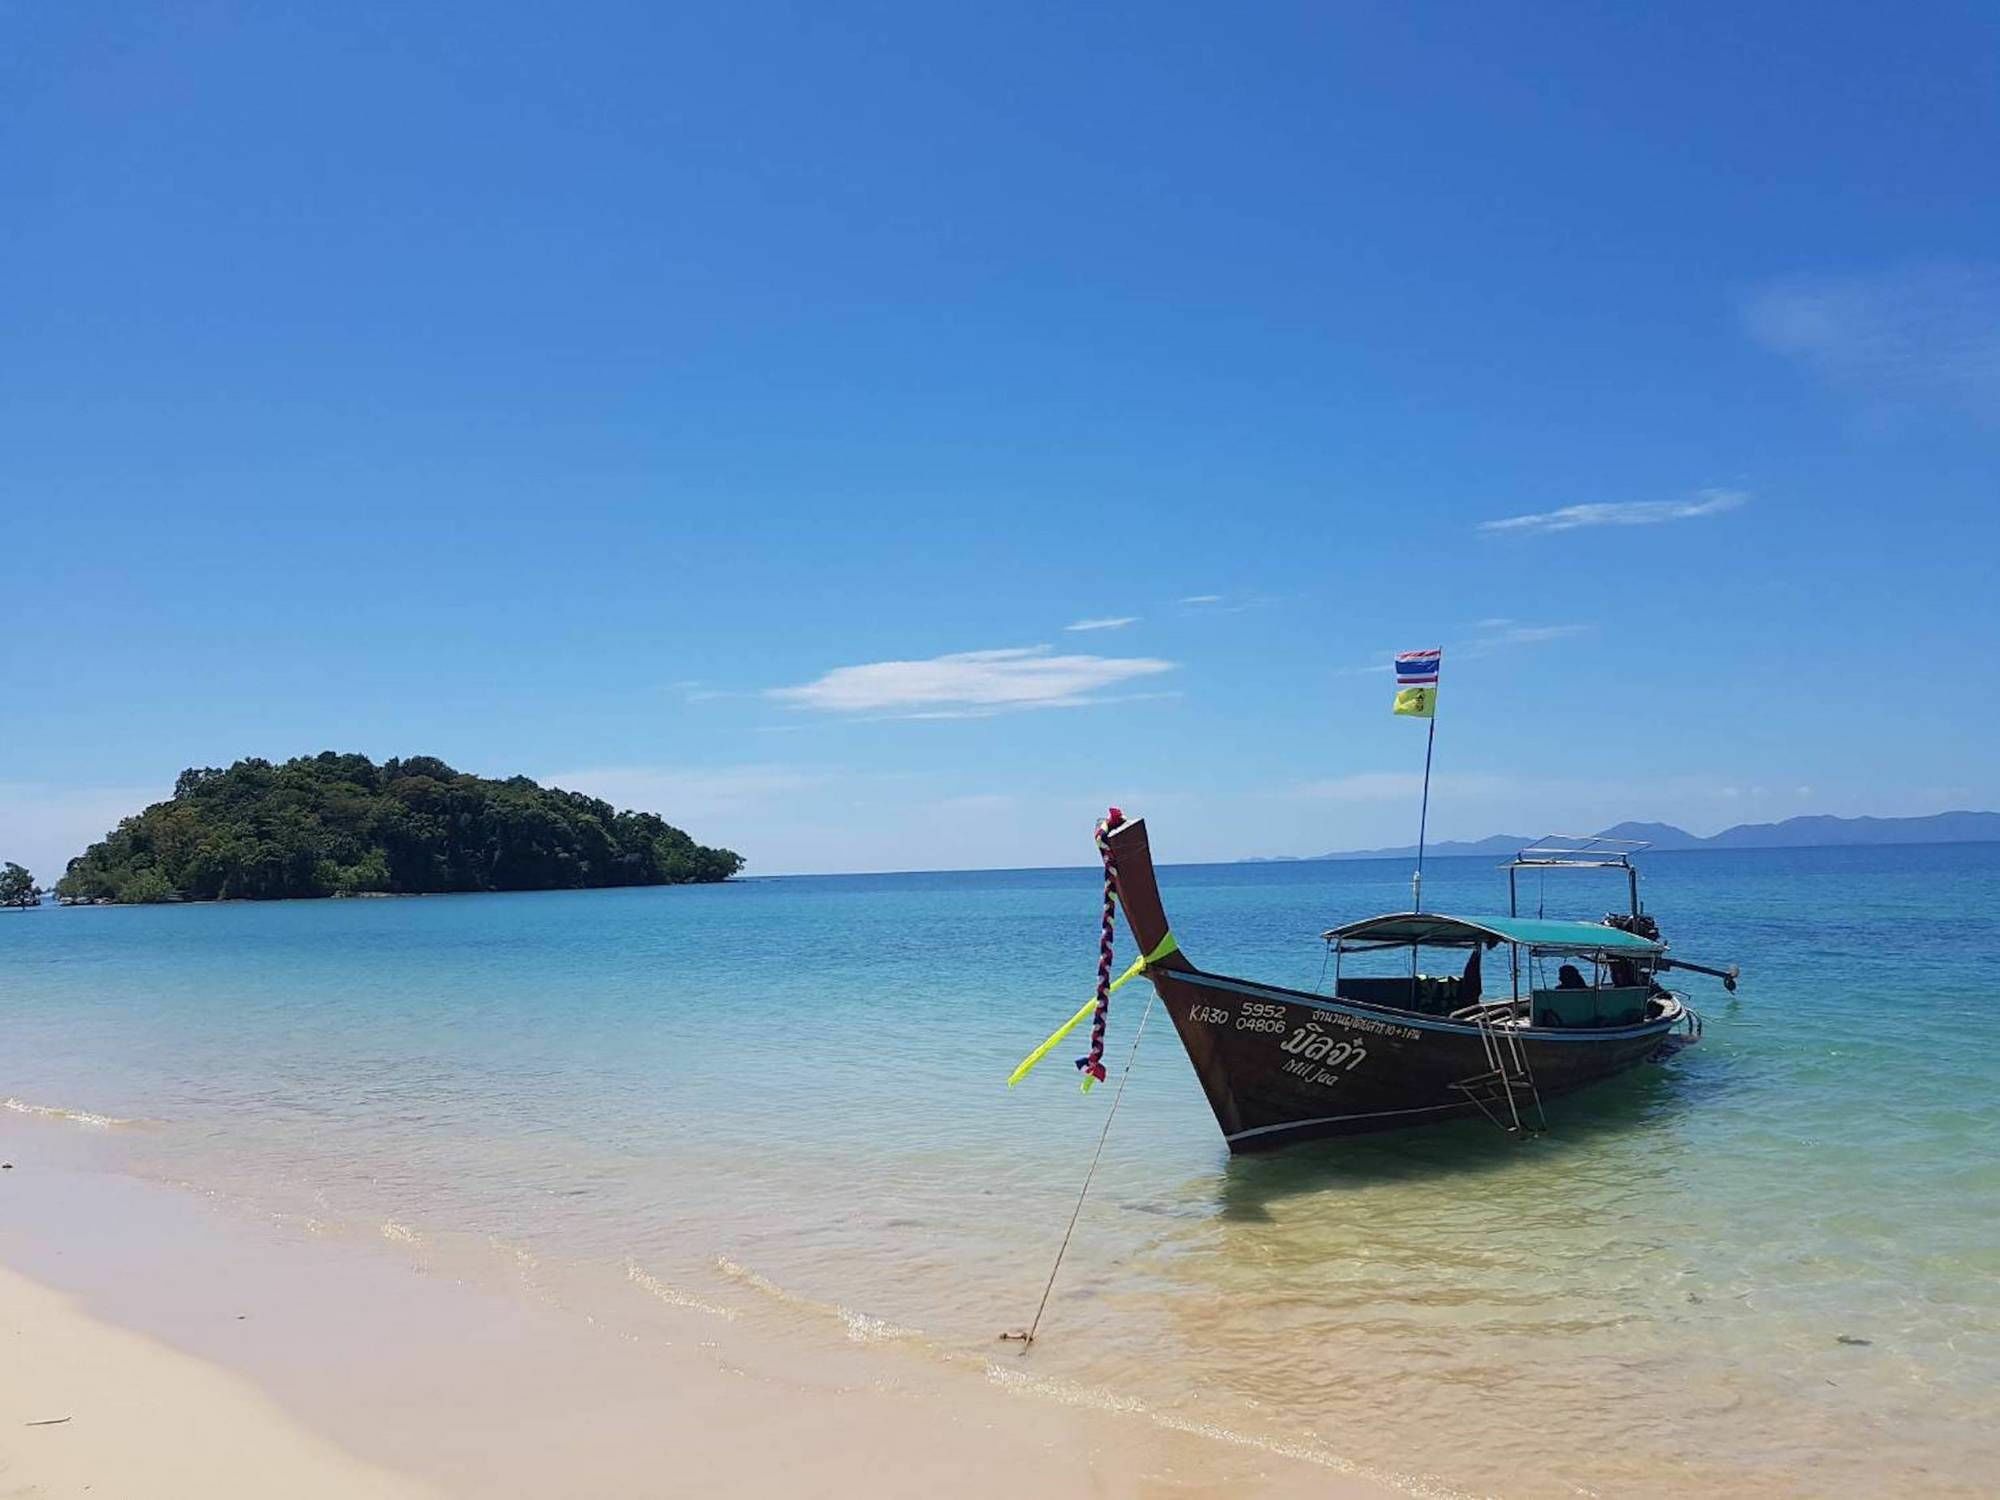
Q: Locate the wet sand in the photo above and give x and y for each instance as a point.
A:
(90, 1409)
(199, 1353)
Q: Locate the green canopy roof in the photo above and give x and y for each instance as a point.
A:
(1463, 932)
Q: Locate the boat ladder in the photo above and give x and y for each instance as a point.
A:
(1499, 1091)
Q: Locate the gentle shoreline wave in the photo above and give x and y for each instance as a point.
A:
(85, 1117)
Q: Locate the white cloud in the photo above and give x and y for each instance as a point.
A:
(988, 713)
(1202, 599)
(1622, 513)
(1914, 335)
(1111, 622)
(969, 683)
(1494, 634)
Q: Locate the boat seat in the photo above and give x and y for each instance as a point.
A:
(1427, 994)
(1619, 1005)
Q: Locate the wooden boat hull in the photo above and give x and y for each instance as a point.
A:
(1280, 1066)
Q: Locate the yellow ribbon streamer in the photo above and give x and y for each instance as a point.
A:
(1139, 966)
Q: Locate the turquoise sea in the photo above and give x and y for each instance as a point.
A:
(1770, 1265)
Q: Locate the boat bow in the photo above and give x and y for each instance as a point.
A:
(1139, 896)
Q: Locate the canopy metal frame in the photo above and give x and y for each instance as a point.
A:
(1573, 851)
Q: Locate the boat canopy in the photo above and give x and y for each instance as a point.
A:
(1401, 929)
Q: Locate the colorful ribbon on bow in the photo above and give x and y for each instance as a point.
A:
(1091, 1064)
(1139, 966)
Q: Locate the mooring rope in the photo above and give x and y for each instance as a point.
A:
(1074, 1214)
(1092, 1065)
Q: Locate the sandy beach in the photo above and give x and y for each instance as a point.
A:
(173, 1348)
(91, 1409)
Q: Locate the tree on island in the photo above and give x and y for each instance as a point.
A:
(17, 887)
(340, 825)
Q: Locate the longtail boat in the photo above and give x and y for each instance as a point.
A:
(1384, 1051)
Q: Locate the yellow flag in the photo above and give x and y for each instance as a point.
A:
(1419, 703)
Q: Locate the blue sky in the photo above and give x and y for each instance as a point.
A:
(735, 410)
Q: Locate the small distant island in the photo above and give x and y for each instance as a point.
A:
(1816, 831)
(17, 887)
(340, 825)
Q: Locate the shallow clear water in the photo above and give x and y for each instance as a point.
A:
(784, 1098)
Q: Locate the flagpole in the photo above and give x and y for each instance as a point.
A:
(1424, 817)
(1416, 693)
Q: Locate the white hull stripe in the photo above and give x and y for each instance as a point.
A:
(1373, 1114)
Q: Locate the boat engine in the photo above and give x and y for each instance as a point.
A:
(1639, 924)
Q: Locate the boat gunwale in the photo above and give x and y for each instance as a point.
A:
(1423, 1021)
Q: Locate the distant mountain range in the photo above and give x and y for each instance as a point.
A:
(1813, 832)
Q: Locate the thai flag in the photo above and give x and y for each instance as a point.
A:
(1417, 668)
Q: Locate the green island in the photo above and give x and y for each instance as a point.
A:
(340, 825)
(17, 887)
